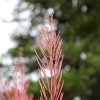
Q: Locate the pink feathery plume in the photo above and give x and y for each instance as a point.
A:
(15, 93)
(50, 47)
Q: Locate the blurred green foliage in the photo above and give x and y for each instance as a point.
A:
(80, 28)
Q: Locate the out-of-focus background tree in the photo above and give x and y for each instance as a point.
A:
(79, 23)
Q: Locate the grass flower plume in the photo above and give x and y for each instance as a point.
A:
(15, 93)
(50, 47)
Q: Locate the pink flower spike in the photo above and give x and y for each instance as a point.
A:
(50, 47)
